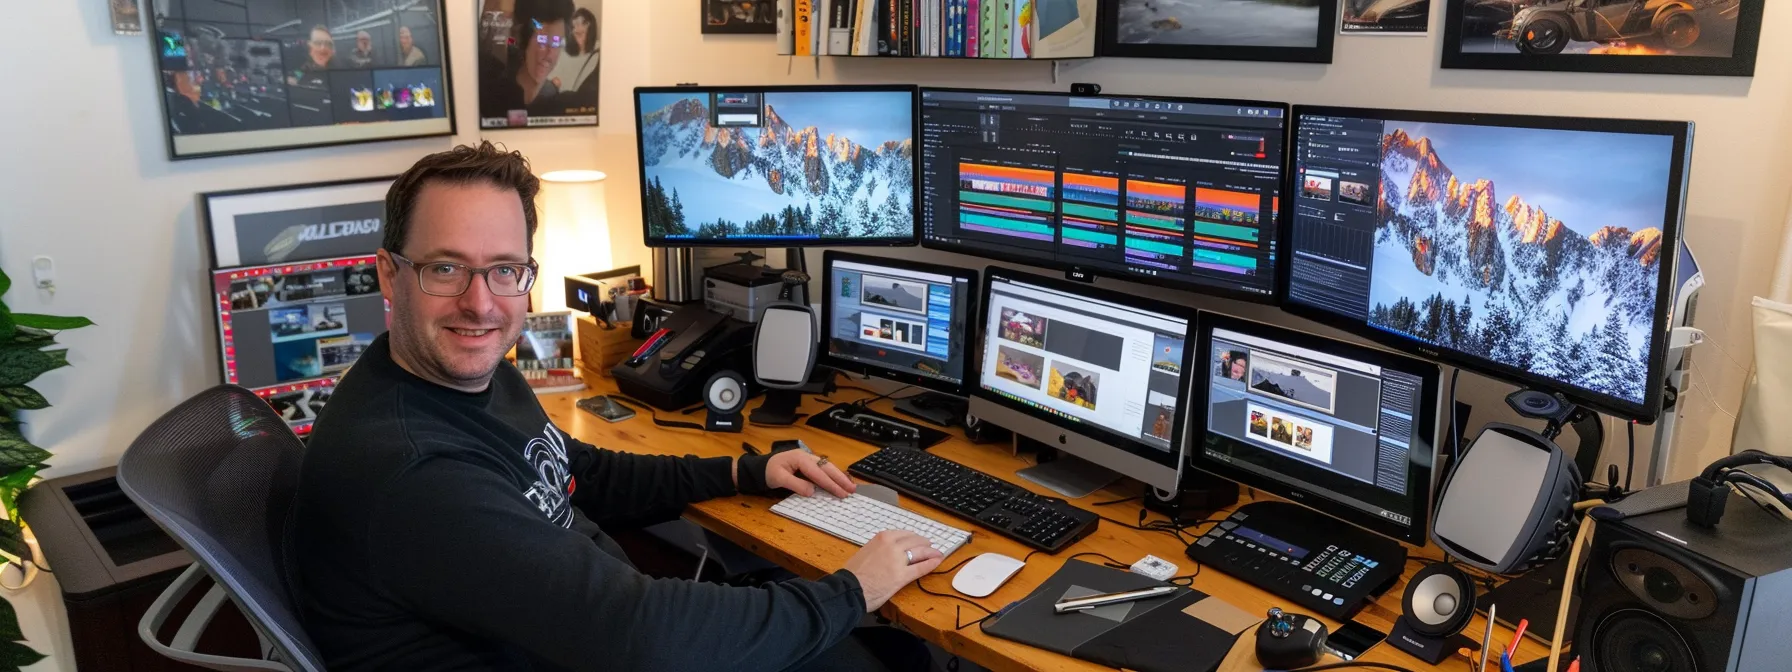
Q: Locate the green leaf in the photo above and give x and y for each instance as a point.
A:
(18, 367)
(17, 453)
(28, 336)
(12, 540)
(5, 282)
(55, 322)
(7, 326)
(14, 655)
(9, 623)
(21, 398)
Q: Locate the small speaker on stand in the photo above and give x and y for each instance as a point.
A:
(725, 394)
(1439, 602)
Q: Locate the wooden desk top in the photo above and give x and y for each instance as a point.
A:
(811, 553)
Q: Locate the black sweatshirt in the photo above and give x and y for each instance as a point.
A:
(433, 529)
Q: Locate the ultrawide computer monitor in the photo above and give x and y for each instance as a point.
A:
(1094, 373)
(901, 320)
(289, 331)
(778, 166)
(1177, 191)
(1344, 429)
(1536, 249)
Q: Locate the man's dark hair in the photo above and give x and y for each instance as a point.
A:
(531, 12)
(481, 164)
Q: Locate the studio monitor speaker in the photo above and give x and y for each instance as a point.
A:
(725, 394)
(1662, 594)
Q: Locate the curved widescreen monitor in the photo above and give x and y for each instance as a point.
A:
(1344, 429)
(1095, 373)
(897, 319)
(1537, 249)
(777, 166)
(1172, 191)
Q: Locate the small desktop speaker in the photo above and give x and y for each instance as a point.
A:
(1439, 602)
(1665, 594)
(725, 394)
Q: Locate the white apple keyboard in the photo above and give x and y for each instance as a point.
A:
(859, 518)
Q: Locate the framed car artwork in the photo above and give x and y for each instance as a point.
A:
(1682, 37)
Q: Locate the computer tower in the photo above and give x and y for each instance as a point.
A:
(1663, 595)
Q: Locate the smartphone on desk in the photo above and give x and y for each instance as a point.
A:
(604, 407)
(1354, 639)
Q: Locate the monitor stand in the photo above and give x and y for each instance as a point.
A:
(941, 409)
(1068, 475)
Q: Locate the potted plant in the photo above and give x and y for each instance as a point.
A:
(24, 338)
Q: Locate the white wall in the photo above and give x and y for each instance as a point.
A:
(87, 182)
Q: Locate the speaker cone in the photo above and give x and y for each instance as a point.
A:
(1439, 601)
(1633, 640)
(726, 392)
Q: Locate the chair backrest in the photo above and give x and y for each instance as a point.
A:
(219, 473)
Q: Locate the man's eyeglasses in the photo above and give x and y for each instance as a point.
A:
(446, 278)
(322, 43)
(550, 41)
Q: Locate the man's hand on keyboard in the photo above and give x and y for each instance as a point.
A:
(798, 471)
(882, 566)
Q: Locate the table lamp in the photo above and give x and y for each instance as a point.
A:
(574, 234)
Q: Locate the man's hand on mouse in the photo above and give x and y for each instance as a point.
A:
(799, 471)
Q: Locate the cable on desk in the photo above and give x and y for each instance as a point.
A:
(1347, 664)
(1630, 462)
(1119, 501)
(655, 414)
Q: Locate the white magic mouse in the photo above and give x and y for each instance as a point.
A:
(985, 573)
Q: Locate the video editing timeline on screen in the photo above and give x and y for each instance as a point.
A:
(1085, 360)
(1328, 413)
(899, 319)
(1180, 190)
(287, 331)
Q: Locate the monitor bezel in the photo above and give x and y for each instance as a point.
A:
(1414, 533)
(829, 359)
(1179, 443)
(1272, 298)
(1673, 219)
(913, 237)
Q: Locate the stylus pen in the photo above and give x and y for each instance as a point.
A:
(1487, 638)
(1093, 601)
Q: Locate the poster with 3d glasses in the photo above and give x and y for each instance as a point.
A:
(262, 75)
(538, 62)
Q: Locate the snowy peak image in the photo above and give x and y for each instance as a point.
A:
(1480, 261)
(777, 178)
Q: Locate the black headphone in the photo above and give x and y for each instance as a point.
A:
(1707, 494)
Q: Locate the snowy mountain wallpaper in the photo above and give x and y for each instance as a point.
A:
(1540, 249)
(820, 164)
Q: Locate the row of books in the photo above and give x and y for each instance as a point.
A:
(938, 28)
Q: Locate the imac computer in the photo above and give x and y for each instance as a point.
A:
(289, 331)
(1169, 191)
(1345, 430)
(1540, 250)
(1095, 374)
(904, 321)
(777, 166)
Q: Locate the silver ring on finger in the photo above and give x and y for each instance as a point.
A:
(910, 555)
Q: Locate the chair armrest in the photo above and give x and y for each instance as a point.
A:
(181, 648)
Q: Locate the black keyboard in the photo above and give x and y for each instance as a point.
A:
(1045, 523)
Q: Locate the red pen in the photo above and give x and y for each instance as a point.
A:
(1574, 666)
(1518, 635)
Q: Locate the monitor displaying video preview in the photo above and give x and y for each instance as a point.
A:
(777, 166)
(289, 331)
(898, 319)
(1531, 248)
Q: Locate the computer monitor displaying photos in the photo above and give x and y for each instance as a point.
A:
(1096, 362)
(1537, 249)
(1340, 427)
(780, 166)
(897, 319)
(289, 331)
(260, 75)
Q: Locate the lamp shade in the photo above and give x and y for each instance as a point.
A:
(574, 235)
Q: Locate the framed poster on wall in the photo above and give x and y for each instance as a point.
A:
(753, 17)
(1678, 37)
(274, 225)
(539, 62)
(1231, 30)
(265, 75)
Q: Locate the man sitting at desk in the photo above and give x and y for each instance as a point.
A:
(443, 522)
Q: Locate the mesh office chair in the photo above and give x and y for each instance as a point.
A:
(218, 473)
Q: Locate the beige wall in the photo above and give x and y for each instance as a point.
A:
(87, 182)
